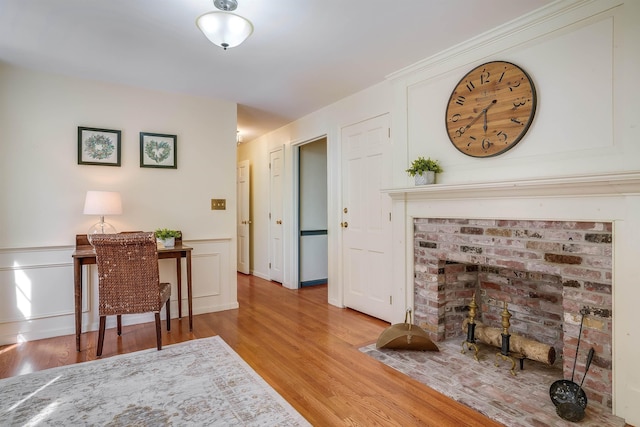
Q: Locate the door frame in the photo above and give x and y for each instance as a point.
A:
(295, 217)
(334, 268)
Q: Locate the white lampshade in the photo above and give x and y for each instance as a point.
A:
(224, 29)
(102, 203)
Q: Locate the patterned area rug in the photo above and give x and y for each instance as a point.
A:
(515, 401)
(200, 382)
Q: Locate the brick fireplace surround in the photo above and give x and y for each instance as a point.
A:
(545, 270)
(549, 247)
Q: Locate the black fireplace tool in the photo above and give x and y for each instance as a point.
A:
(568, 397)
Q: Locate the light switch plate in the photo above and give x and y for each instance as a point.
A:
(218, 204)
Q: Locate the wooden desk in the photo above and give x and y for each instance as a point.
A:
(86, 255)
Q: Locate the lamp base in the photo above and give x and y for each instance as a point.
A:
(100, 228)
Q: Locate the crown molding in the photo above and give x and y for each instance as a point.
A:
(537, 23)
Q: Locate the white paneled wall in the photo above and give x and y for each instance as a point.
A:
(36, 285)
(42, 190)
(38, 299)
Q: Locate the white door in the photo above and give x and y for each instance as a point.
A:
(243, 221)
(366, 216)
(276, 247)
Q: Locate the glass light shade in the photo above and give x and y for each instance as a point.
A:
(224, 29)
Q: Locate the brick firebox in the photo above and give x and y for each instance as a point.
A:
(545, 270)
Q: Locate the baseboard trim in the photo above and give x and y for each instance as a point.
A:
(314, 282)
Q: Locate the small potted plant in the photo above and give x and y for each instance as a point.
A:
(167, 237)
(424, 170)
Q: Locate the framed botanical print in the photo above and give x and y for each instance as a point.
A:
(158, 150)
(98, 146)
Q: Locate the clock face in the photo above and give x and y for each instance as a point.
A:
(491, 109)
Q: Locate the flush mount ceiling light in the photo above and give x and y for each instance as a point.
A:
(225, 29)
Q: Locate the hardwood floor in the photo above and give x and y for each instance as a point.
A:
(304, 348)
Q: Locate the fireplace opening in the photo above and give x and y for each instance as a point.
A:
(534, 301)
(546, 272)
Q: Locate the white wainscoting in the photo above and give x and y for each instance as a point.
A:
(36, 289)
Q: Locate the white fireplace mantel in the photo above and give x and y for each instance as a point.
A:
(610, 197)
(583, 185)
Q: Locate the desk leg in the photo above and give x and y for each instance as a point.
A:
(77, 290)
(189, 292)
(179, 273)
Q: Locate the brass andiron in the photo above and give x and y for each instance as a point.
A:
(470, 342)
(504, 352)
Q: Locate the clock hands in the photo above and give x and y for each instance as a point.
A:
(482, 113)
(485, 120)
(472, 121)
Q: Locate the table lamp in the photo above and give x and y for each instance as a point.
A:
(102, 203)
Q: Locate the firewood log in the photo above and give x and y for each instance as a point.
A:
(531, 349)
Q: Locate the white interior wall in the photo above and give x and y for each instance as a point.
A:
(42, 191)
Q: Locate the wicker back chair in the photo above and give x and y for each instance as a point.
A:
(128, 279)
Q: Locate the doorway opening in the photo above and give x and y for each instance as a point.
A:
(313, 249)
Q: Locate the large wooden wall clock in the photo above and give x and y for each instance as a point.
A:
(491, 109)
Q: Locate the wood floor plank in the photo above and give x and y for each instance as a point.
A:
(306, 349)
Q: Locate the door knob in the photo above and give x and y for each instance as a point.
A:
(344, 224)
(279, 221)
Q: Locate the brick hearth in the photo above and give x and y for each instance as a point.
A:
(545, 270)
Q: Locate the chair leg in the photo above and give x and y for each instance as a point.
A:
(158, 331)
(168, 310)
(119, 325)
(103, 322)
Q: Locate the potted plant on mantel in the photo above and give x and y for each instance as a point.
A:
(167, 237)
(424, 170)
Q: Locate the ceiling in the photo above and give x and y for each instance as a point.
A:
(302, 55)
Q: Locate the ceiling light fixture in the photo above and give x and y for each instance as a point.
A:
(225, 29)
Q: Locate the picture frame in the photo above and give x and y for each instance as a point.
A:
(158, 150)
(98, 146)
